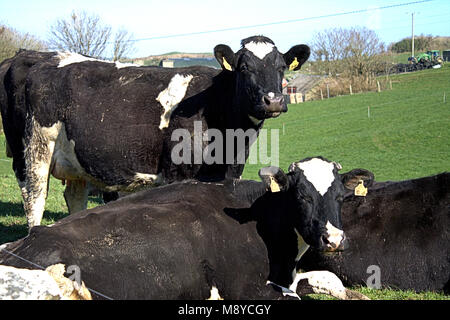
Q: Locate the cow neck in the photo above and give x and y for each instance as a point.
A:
(247, 190)
(276, 226)
(270, 210)
(224, 112)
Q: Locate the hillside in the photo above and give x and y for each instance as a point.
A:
(406, 136)
(155, 60)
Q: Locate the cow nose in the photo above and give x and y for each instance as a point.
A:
(343, 245)
(332, 246)
(274, 103)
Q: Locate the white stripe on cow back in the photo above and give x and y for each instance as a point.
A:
(319, 172)
(67, 58)
(260, 49)
(170, 97)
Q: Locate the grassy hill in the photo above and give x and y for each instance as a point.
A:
(406, 136)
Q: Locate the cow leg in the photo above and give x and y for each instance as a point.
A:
(76, 195)
(323, 282)
(35, 186)
(38, 156)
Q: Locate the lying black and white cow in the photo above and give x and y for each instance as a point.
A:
(399, 237)
(188, 240)
(111, 124)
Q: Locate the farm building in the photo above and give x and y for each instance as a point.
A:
(166, 63)
(446, 55)
(298, 88)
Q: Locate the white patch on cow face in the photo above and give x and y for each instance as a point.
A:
(214, 294)
(319, 172)
(322, 282)
(335, 235)
(170, 97)
(259, 49)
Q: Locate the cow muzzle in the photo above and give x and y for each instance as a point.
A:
(274, 104)
(333, 239)
(329, 245)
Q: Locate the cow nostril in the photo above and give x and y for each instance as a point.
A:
(325, 240)
(267, 100)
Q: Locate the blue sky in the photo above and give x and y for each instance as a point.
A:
(151, 19)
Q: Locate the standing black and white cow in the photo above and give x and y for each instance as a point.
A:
(192, 239)
(112, 124)
(399, 237)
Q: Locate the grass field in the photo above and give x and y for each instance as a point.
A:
(406, 136)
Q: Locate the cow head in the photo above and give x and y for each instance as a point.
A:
(259, 70)
(316, 191)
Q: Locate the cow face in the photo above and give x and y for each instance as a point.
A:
(259, 68)
(316, 190)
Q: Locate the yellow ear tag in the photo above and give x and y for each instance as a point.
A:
(226, 64)
(360, 190)
(274, 187)
(294, 64)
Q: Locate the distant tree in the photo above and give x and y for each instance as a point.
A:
(421, 43)
(122, 44)
(84, 33)
(364, 52)
(12, 40)
(354, 51)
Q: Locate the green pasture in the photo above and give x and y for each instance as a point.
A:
(398, 134)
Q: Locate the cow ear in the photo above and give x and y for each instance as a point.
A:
(297, 56)
(354, 177)
(274, 179)
(225, 57)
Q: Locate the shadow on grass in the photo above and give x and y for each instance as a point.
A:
(13, 223)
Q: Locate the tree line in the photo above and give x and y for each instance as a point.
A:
(421, 43)
(81, 32)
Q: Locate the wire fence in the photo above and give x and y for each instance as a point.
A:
(42, 268)
(364, 107)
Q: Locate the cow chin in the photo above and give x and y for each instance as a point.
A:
(273, 114)
(262, 113)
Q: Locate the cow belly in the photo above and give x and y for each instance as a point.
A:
(65, 165)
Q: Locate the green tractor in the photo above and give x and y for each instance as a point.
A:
(432, 56)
